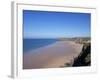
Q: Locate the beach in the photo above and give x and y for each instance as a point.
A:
(52, 56)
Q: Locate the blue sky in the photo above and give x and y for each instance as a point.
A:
(47, 24)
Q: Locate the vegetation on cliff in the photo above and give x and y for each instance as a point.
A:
(84, 59)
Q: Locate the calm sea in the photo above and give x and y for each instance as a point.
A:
(32, 44)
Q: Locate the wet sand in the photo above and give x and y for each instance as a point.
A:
(52, 56)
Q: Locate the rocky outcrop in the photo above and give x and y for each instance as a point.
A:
(84, 59)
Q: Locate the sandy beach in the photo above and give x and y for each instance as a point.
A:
(52, 56)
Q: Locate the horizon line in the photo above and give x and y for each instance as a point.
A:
(55, 37)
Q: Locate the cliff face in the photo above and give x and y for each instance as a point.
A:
(84, 59)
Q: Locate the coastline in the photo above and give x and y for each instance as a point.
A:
(52, 56)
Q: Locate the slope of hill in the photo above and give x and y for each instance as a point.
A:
(84, 59)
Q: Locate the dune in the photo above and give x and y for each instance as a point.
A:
(52, 56)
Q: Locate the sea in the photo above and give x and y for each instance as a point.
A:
(32, 44)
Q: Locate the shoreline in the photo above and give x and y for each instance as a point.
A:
(51, 56)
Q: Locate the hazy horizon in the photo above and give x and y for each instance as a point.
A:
(56, 37)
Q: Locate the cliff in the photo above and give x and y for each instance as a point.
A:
(84, 59)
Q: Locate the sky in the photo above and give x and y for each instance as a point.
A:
(47, 24)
